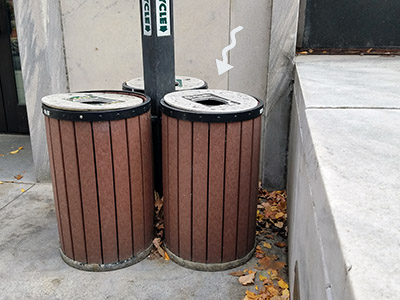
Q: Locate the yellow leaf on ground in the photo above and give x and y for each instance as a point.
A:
(251, 295)
(247, 279)
(22, 190)
(279, 224)
(276, 298)
(267, 245)
(279, 215)
(20, 148)
(262, 278)
(285, 294)
(273, 274)
(282, 284)
(273, 291)
(1, 182)
(166, 256)
(14, 152)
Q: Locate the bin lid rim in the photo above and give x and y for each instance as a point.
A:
(93, 101)
(211, 101)
(184, 83)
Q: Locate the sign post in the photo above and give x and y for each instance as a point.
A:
(158, 66)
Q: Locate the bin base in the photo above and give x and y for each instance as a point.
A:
(106, 267)
(210, 267)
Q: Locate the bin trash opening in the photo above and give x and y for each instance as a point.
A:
(94, 100)
(209, 99)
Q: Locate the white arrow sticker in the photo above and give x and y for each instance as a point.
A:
(163, 20)
(146, 10)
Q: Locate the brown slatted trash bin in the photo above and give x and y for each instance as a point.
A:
(182, 83)
(101, 163)
(211, 146)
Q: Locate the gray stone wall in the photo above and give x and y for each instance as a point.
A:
(43, 66)
(279, 90)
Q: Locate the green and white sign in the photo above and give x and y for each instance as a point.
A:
(146, 10)
(163, 19)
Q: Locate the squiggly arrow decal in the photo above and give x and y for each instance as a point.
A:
(223, 65)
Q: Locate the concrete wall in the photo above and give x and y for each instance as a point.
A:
(42, 61)
(103, 48)
(279, 90)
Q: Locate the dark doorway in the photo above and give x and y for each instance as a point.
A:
(13, 118)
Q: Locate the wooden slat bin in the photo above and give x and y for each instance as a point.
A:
(101, 163)
(211, 147)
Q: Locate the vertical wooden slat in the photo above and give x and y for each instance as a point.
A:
(56, 204)
(244, 187)
(147, 163)
(122, 188)
(173, 185)
(84, 143)
(73, 189)
(135, 163)
(254, 183)
(200, 191)
(61, 188)
(101, 131)
(165, 156)
(231, 190)
(216, 192)
(185, 189)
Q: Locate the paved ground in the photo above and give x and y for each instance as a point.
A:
(31, 267)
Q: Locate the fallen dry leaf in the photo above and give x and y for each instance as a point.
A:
(279, 224)
(166, 256)
(247, 279)
(265, 263)
(1, 155)
(22, 190)
(18, 177)
(273, 274)
(251, 295)
(237, 273)
(273, 291)
(280, 244)
(267, 245)
(1, 182)
(157, 244)
(285, 293)
(14, 152)
(279, 265)
(282, 284)
(262, 278)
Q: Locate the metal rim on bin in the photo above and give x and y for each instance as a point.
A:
(211, 116)
(210, 267)
(100, 115)
(106, 267)
(129, 86)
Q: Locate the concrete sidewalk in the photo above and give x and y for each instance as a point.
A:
(31, 266)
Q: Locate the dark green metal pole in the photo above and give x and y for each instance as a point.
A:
(158, 66)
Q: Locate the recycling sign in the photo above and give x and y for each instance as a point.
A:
(163, 18)
(146, 10)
